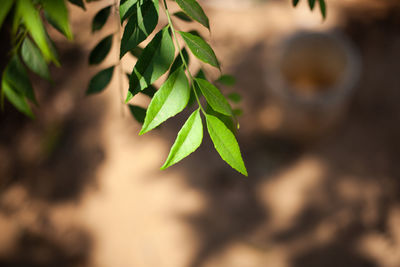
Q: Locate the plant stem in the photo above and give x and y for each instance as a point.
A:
(181, 55)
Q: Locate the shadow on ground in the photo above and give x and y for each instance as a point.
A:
(347, 213)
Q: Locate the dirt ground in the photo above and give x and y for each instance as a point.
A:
(79, 187)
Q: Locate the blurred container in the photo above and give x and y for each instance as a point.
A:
(311, 76)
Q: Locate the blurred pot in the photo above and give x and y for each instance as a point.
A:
(311, 76)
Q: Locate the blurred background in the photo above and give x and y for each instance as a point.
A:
(319, 135)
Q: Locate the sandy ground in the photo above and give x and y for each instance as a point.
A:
(79, 187)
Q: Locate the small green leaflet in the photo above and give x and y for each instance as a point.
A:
(200, 48)
(188, 140)
(33, 59)
(58, 16)
(140, 25)
(101, 50)
(100, 81)
(194, 10)
(227, 80)
(126, 9)
(5, 8)
(295, 2)
(235, 97)
(16, 98)
(322, 7)
(181, 15)
(138, 113)
(155, 60)
(100, 18)
(16, 76)
(214, 97)
(30, 15)
(169, 100)
(225, 143)
(311, 3)
(78, 3)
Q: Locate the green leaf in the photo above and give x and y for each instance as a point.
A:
(227, 80)
(140, 25)
(178, 61)
(181, 15)
(295, 2)
(214, 97)
(79, 3)
(225, 143)
(5, 8)
(58, 16)
(31, 18)
(100, 18)
(101, 50)
(100, 81)
(169, 100)
(34, 60)
(155, 60)
(138, 113)
(227, 120)
(194, 10)
(188, 140)
(126, 9)
(235, 97)
(16, 76)
(311, 3)
(322, 7)
(16, 98)
(200, 48)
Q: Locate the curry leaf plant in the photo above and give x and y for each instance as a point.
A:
(166, 54)
(158, 58)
